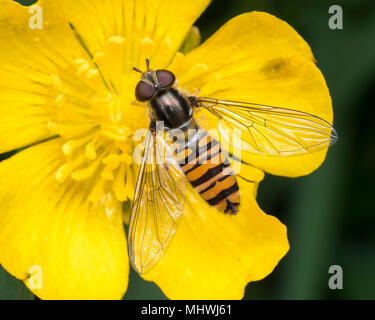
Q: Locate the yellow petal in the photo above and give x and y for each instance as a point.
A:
(37, 73)
(215, 255)
(258, 58)
(67, 247)
(126, 32)
(192, 40)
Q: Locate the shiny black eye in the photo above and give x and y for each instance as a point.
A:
(165, 78)
(144, 91)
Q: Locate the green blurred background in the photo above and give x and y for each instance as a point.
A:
(329, 214)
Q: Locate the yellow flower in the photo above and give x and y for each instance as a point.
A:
(66, 94)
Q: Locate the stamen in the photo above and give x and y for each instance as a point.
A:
(96, 124)
(113, 160)
(127, 159)
(59, 100)
(90, 151)
(92, 146)
(123, 146)
(129, 187)
(86, 172)
(71, 145)
(118, 185)
(147, 40)
(63, 172)
(68, 147)
(83, 68)
(115, 132)
(56, 82)
(107, 173)
(116, 39)
(80, 61)
(98, 56)
(52, 126)
(92, 73)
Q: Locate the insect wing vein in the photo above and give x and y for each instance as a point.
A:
(157, 206)
(268, 130)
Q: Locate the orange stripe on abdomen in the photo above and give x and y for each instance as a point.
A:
(208, 170)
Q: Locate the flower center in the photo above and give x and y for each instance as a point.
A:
(97, 123)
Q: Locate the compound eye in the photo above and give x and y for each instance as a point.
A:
(143, 91)
(165, 78)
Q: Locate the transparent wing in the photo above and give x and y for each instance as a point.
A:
(269, 130)
(157, 206)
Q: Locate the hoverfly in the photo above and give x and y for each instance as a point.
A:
(159, 197)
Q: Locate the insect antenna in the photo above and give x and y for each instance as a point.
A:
(137, 70)
(148, 64)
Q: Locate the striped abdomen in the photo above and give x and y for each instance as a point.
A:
(208, 170)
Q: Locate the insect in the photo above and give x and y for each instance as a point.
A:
(200, 159)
